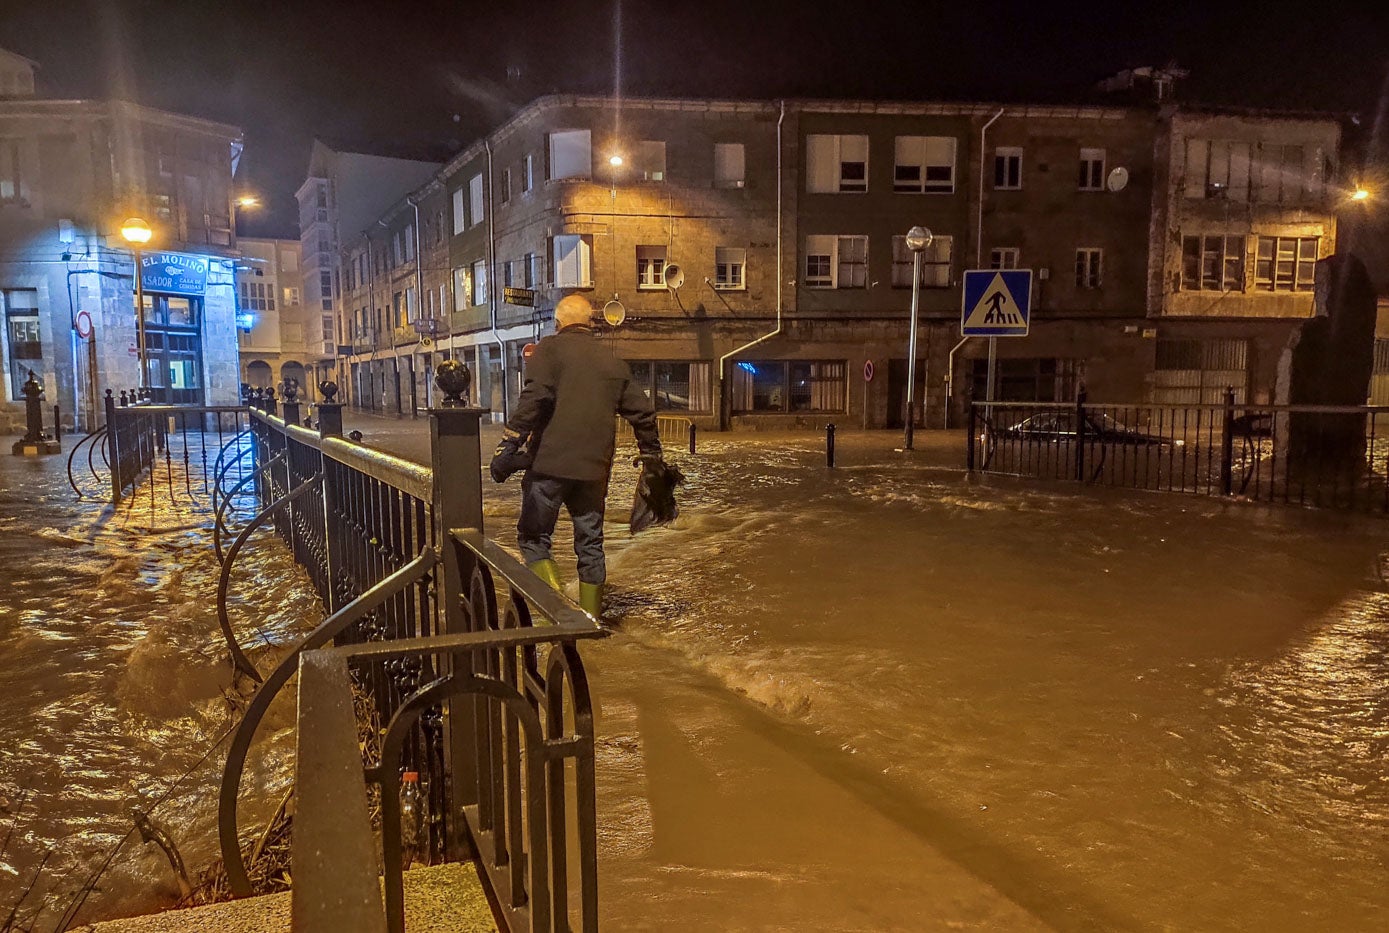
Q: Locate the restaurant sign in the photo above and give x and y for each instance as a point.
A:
(173, 273)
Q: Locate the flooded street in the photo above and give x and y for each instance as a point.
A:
(116, 684)
(876, 698)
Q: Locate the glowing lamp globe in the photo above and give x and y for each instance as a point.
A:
(136, 231)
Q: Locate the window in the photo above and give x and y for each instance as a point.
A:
(325, 283)
(411, 311)
(443, 298)
(21, 306)
(649, 161)
(475, 203)
(527, 173)
(1092, 170)
(729, 265)
(571, 258)
(409, 239)
(292, 296)
(1213, 263)
(11, 182)
(1285, 264)
(570, 154)
(935, 263)
(836, 261)
(836, 163)
(257, 296)
(1003, 257)
(506, 185)
(509, 270)
(729, 165)
(462, 288)
(397, 249)
(651, 265)
(289, 261)
(398, 314)
(458, 215)
(1007, 167)
(532, 275)
(479, 296)
(853, 262)
(925, 164)
(1217, 168)
(675, 386)
(1089, 262)
(788, 386)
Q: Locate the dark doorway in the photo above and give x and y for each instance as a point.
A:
(897, 393)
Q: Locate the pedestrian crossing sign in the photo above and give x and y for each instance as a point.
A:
(997, 303)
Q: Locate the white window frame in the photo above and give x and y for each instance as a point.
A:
(459, 218)
(651, 265)
(1008, 158)
(923, 154)
(1092, 162)
(1089, 268)
(730, 165)
(570, 155)
(827, 155)
(821, 250)
(477, 207)
(1004, 257)
(506, 185)
(571, 260)
(479, 283)
(527, 173)
(730, 268)
(462, 287)
(1220, 259)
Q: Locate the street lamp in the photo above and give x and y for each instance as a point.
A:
(1360, 194)
(137, 233)
(918, 238)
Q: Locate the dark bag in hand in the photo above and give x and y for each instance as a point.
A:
(654, 502)
(508, 459)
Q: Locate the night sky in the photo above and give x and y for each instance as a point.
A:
(427, 76)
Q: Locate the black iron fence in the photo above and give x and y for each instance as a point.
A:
(174, 446)
(1315, 455)
(462, 666)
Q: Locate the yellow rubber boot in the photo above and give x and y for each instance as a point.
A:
(548, 571)
(591, 599)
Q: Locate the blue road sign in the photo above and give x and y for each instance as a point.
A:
(997, 303)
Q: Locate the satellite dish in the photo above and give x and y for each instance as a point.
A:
(614, 312)
(673, 275)
(1118, 179)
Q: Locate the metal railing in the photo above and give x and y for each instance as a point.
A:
(1315, 455)
(464, 666)
(675, 430)
(143, 440)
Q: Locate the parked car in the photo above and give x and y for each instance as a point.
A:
(1060, 425)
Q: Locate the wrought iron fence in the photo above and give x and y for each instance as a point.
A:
(185, 443)
(464, 665)
(1314, 455)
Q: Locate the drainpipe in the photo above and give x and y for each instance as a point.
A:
(492, 277)
(979, 225)
(419, 303)
(723, 360)
(978, 258)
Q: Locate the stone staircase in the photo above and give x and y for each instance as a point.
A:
(437, 899)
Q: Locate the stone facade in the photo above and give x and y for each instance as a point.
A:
(1096, 200)
(71, 172)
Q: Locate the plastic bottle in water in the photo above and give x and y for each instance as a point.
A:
(411, 812)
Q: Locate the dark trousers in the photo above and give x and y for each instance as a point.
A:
(541, 497)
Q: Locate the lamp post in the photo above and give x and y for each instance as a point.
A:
(137, 233)
(918, 238)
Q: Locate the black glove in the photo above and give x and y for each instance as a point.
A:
(509, 458)
(650, 464)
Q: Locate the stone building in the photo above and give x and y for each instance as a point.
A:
(750, 256)
(281, 338)
(71, 171)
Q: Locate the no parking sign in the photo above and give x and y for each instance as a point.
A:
(867, 370)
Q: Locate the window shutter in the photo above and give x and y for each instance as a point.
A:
(821, 164)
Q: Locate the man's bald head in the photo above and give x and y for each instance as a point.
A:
(573, 309)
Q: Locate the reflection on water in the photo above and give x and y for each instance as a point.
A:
(116, 683)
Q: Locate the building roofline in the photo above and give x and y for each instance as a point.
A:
(20, 106)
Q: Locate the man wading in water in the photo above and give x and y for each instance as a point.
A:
(574, 387)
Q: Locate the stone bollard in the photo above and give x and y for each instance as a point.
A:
(35, 442)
